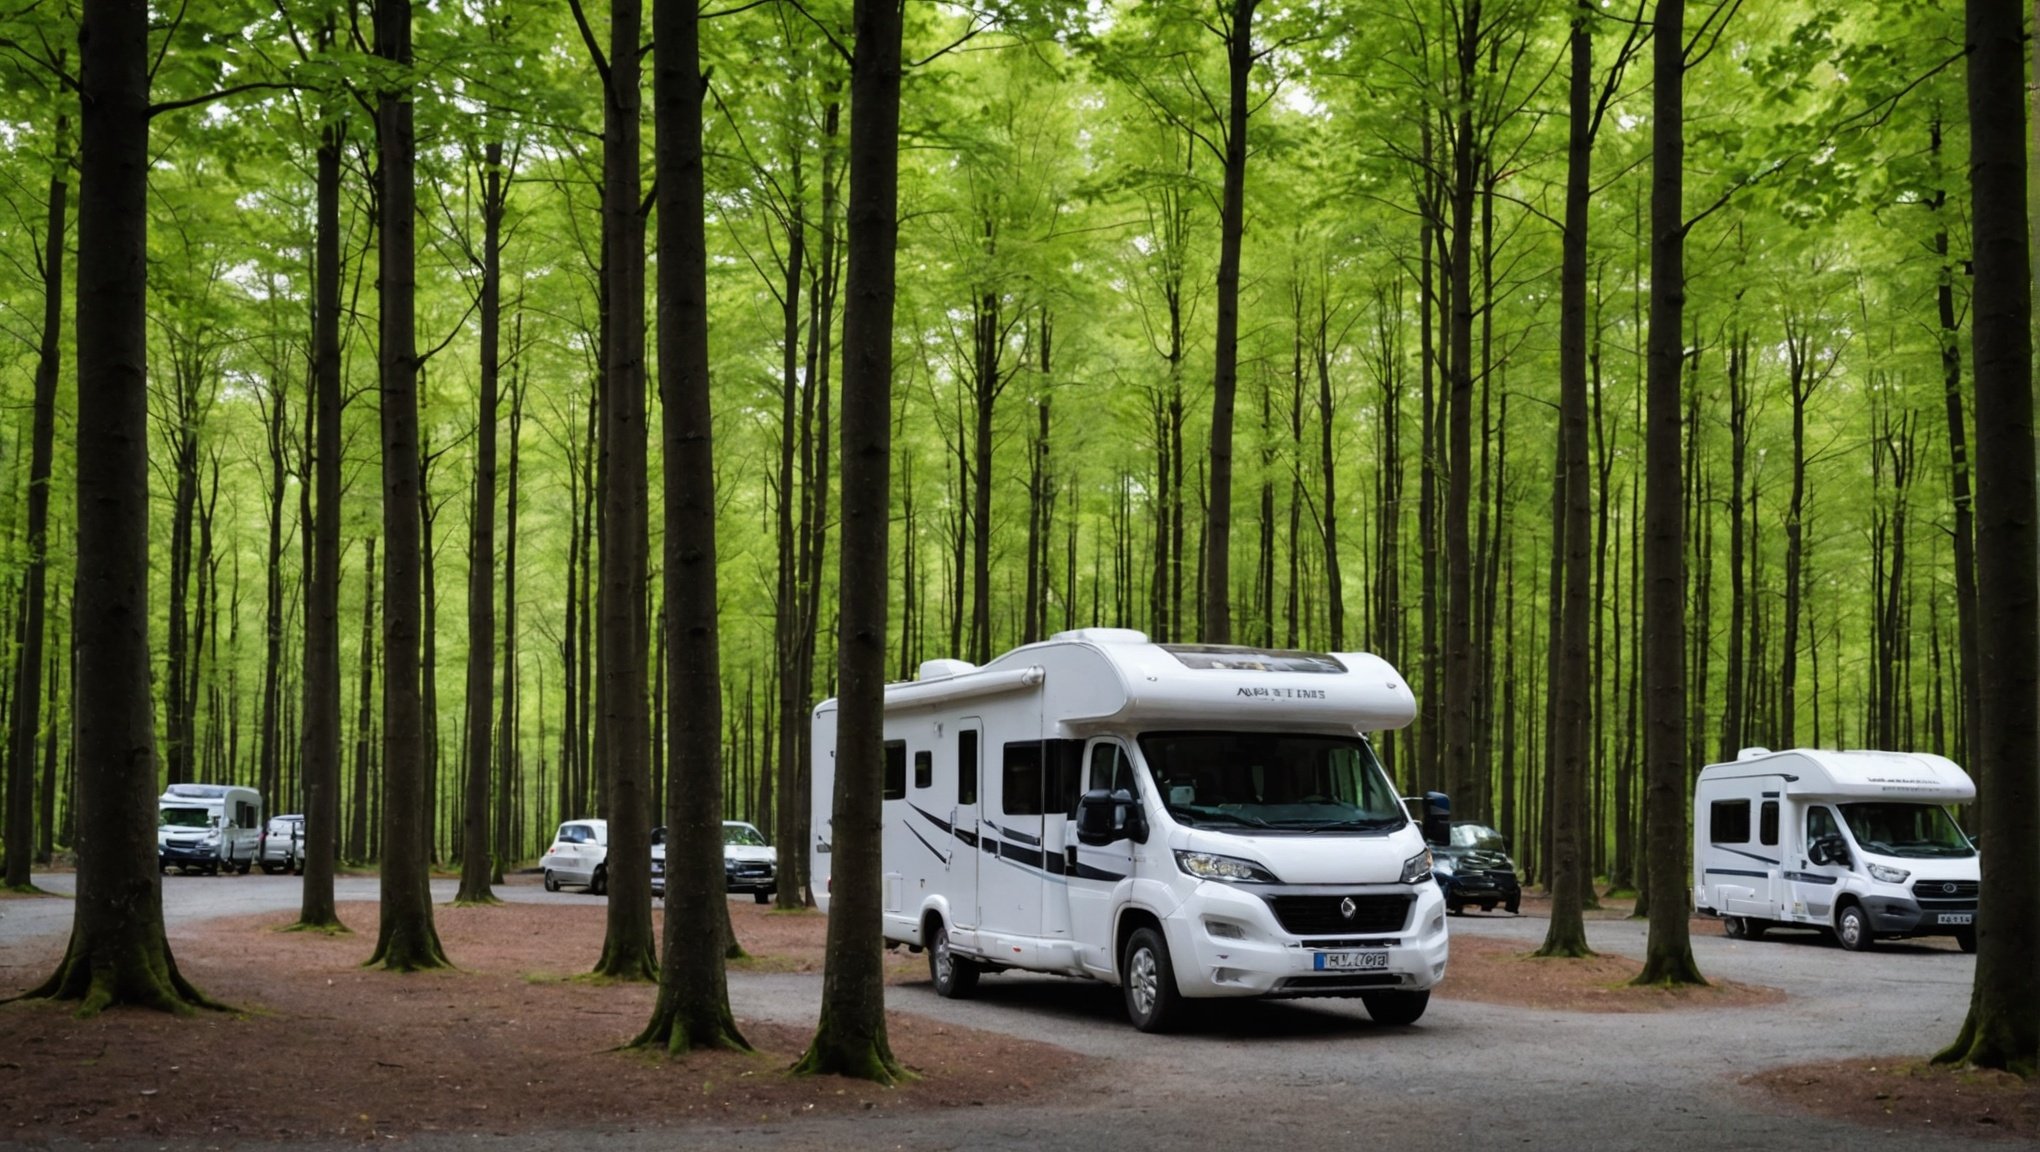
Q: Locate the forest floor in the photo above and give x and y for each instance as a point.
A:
(515, 1041)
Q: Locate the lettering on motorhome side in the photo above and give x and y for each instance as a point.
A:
(1284, 693)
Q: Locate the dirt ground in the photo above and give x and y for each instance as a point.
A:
(514, 1041)
(1908, 1094)
(319, 1047)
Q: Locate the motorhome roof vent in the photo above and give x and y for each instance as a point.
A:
(943, 669)
(1751, 753)
(1102, 636)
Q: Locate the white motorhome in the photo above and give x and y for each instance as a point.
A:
(208, 827)
(1180, 820)
(1859, 844)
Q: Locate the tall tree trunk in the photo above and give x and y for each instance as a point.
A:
(1969, 663)
(507, 781)
(269, 751)
(2002, 1031)
(358, 848)
(1461, 774)
(624, 638)
(117, 952)
(1668, 957)
(405, 940)
(1571, 689)
(1225, 375)
(850, 1038)
(477, 862)
(320, 748)
(27, 717)
(693, 1009)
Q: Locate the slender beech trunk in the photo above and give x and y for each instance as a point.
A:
(320, 748)
(1668, 955)
(358, 848)
(1225, 375)
(117, 952)
(850, 1038)
(693, 1008)
(27, 717)
(476, 860)
(405, 940)
(505, 847)
(1571, 689)
(1969, 664)
(625, 755)
(2002, 1031)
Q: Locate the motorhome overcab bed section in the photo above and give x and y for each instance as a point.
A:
(1185, 821)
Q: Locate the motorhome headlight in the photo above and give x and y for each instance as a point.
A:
(1232, 869)
(1888, 875)
(1417, 867)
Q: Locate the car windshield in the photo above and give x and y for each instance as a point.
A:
(1892, 829)
(1479, 837)
(1274, 780)
(742, 834)
(183, 818)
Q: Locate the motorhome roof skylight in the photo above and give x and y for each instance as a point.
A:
(1224, 658)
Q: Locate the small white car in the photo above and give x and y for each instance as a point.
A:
(749, 864)
(579, 856)
(283, 845)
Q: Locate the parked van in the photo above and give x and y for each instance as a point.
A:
(1859, 844)
(1180, 820)
(208, 827)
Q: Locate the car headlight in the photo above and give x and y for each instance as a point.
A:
(1887, 874)
(1417, 867)
(1211, 866)
(1441, 864)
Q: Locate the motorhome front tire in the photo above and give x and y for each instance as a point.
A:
(1852, 928)
(1396, 1008)
(1148, 979)
(955, 977)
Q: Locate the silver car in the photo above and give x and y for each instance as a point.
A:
(579, 856)
(283, 845)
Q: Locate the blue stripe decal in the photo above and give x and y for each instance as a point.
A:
(1810, 878)
(931, 847)
(1013, 835)
(1737, 872)
(1750, 855)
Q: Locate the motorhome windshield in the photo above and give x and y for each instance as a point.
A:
(183, 818)
(1278, 781)
(1891, 829)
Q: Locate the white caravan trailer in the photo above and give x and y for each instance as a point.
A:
(1857, 843)
(1181, 820)
(207, 827)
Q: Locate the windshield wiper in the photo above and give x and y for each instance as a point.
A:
(1240, 818)
(1361, 823)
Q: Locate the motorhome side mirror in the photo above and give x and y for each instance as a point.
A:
(1102, 817)
(1437, 818)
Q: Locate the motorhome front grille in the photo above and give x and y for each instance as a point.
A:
(1342, 984)
(1341, 914)
(1945, 895)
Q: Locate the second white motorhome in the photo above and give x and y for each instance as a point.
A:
(208, 827)
(1180, 820)
(1859, 844)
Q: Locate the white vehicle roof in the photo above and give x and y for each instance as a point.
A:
(1093, 678)
(1920, 777)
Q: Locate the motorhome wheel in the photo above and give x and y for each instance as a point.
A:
(954, 976)
(1396, 1008)
(1852, 928)
(1152, 1002)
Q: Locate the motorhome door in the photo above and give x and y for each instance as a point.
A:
(1814, 886)
(968, 766)
(1097, 873)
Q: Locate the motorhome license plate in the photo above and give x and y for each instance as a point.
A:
(1351, 961)
(1958, 918)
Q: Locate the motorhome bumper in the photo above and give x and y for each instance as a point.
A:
(178, 853)
(1240, 949)
(1896, 916)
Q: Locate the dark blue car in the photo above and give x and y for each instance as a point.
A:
(1474, 870)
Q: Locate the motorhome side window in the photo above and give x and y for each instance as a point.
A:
(1820, 822)
(1111, 771)
(895, 769)
(244, 814)
(1020, 785)
(1728, 822)
(924, 769)
(966, 766)
(1767, 824)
